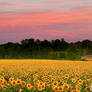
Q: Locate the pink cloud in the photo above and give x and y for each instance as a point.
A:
(73, 16)
(18, 26)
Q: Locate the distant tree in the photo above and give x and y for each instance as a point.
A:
(56, 44)
(45, 44)
(63, 45)
(56, 49)
(86, 44)
(2, 52)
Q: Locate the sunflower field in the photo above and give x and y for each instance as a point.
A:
(45, 76)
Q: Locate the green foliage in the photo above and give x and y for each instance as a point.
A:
(83, 59)
(55, 49)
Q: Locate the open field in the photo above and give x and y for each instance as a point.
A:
(45, 76)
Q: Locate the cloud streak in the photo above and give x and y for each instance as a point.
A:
(56, 5)
(48, 19)
(72, 24)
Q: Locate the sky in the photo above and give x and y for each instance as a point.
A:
(45, 19)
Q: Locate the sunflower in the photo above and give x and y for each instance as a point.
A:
(55, 89)
(4, 87)
(66, 86)
(13, 82)
(73, 80)
(29, 86)
(18, 81)
(39, 88)
(43, 86)
(55, 83)
(78, 87)
(23, 83)
(1, 80)
(88, 89)
(11, 79)
(66, 75)
(32, 88)
(80, 81)
(60, 88)
(40, 83)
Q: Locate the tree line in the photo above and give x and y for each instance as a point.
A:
(54, 49)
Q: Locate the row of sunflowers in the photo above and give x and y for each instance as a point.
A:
(45, 76)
